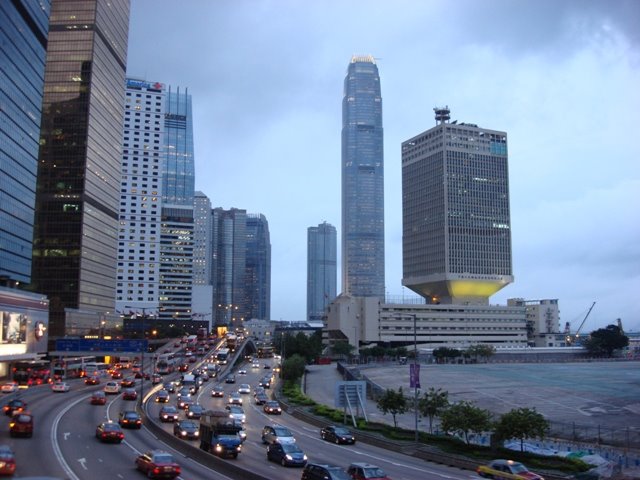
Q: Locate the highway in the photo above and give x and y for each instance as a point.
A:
(64, 443)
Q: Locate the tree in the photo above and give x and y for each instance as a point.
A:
(394, 403)
(465, 418)
(606, 340)
(432, 404)
(442, 353)
(293, 367)
(522, 423)
(481, 350)
(342, 348)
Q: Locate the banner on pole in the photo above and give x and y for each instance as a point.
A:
(414, 375)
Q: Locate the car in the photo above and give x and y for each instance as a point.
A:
(277, 433)
(187, 429)
(60, 387)
(366, 471)
(258, 390)
(265, 382)
(183, 367)
(507, 469)
(168, 413)
(158, 464)
(234, 399)
(230, 379)
(98, 398)
(255, 365)
(286, 454)
(184, 392)
(185, 402)
(319, 471)
(244, 388)
(92, 380)
(272, 407)
(7, 460)
(128, 382)
(169, 387)
(195, 411)
(204, 377)
(217, 391)
(156, 379)
(21, 424)
(130, 419)
(267, 366)
(162, 396)
(129, 394)
(9, 387)
(331, 433)
(15, 405)
(261, 398)
(242, 371)
(111, 388)
(192, 359)
(117, 375)
(109, 432)
(236, 413)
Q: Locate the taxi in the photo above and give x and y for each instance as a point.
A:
(506, 470)
(7, 460)
(21, 424)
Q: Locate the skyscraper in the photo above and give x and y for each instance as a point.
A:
(202, 246)
(321, 269)
(138, 275)
(362, 181)
(23, 36)
(176, 235)
(78, 184)
(228, 266)
(258, 268)
(456, 240)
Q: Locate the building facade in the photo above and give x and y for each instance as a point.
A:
(228, 266)
(23, 36)
(177, 223)
(543, 322)
(78, 180)
(258, 268)
(138, 275)
(456, 241)
(201, 239)
(362, 181)
(322, 272)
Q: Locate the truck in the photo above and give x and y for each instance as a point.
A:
(232, 341)
(219, 434)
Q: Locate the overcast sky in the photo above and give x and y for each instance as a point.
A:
(562, 78)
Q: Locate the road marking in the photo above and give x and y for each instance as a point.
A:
(82, 462)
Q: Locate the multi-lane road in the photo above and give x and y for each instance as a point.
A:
(64, 443)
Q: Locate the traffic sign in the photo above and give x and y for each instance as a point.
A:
(101, 345)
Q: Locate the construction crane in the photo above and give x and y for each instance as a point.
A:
(573, 338)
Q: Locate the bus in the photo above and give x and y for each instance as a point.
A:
(70, 367)
(232, 341)
(222, 356)
(96, 369)
(265, 351)
(165, 363)
(31, 372)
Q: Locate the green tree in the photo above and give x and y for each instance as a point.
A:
(443, 353)
(521, 423)
(481, 350)
(293, 367)
(432, 404)
(393, 402)
(464, 418)
(606, 341)
(342, 348)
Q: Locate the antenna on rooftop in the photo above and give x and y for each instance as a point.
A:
(442, 114)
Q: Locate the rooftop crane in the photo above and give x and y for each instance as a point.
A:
(574, 338)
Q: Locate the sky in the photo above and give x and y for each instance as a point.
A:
(561, 77)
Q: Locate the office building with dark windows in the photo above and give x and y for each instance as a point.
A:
(177, 223)
(258, 268)
(78, 181)
(456, 240)
(362, 181)
(322, 274)
(23, 36)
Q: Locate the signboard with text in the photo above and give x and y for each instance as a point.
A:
(101, 345)
(414, 375)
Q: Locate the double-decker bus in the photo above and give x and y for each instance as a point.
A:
(265, 351)
(31, 372)
(222, 356)
(165, 364)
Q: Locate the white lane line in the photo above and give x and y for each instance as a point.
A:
(54, 441)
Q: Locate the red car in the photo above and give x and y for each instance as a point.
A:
(93, 380)
(109, 432)
(158, 464)
(7, 460)
(366, 471)
(98, 398)
(129, 394)
(21, 424)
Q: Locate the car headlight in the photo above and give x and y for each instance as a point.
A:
(197, 433)
(288, 457)
(218, 448)
(304, 457)
(183, 433)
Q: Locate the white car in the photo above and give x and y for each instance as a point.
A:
(60, 387)
(255, 365)
(112, 387)
(244, 388)
(236, 412)
(234, 399)
(9, 387)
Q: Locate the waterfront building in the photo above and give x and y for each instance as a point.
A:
(321, 269)
(78, 182)
(362, 181)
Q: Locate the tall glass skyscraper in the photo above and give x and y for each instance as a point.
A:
(23, 42)
(258, 270)
(322, 273)
(362, 181)
(78, 184)
(176, 243)
(456, 225)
